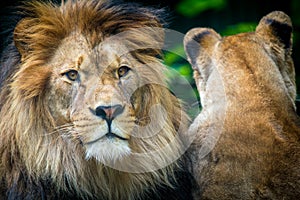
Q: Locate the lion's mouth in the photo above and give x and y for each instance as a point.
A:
(108, 135)
(111, 135)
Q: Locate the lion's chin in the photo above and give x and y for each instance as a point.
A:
(108, 150)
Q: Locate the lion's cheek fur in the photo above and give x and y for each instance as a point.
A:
(59, 102)
(31, 81)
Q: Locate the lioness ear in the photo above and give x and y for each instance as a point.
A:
(276, 27)
(198, 44)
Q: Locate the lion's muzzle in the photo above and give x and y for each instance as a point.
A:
(108, 113)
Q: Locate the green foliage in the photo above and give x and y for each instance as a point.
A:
(239, 28)
(175, 58)
(295, 6)
(181, 81)
(173, 55)
(191, 8)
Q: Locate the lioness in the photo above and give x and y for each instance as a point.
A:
(247, 137)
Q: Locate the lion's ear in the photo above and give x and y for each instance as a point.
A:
(276, 27)
(21, 37)
(199, 44)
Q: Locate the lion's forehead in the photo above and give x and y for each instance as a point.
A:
(245, 59)
(246, 49)
(99, 57)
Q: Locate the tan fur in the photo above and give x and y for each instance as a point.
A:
(47, 120)
(247, 137)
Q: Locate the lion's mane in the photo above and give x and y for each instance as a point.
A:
(34, 161)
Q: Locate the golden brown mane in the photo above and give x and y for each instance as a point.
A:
(35, 160)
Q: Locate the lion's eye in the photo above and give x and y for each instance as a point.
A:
(123, 70)
(71, 75)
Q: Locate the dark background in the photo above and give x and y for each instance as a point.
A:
(225, 16)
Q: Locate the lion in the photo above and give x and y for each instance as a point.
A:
(247, 136)
(85, 108)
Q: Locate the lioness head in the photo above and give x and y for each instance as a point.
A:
(265, 53)
(87, 101)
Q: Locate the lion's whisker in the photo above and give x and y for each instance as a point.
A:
(61, 128)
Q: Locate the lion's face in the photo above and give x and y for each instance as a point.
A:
(92, 96)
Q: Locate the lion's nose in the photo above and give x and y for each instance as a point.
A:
(109, 112)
